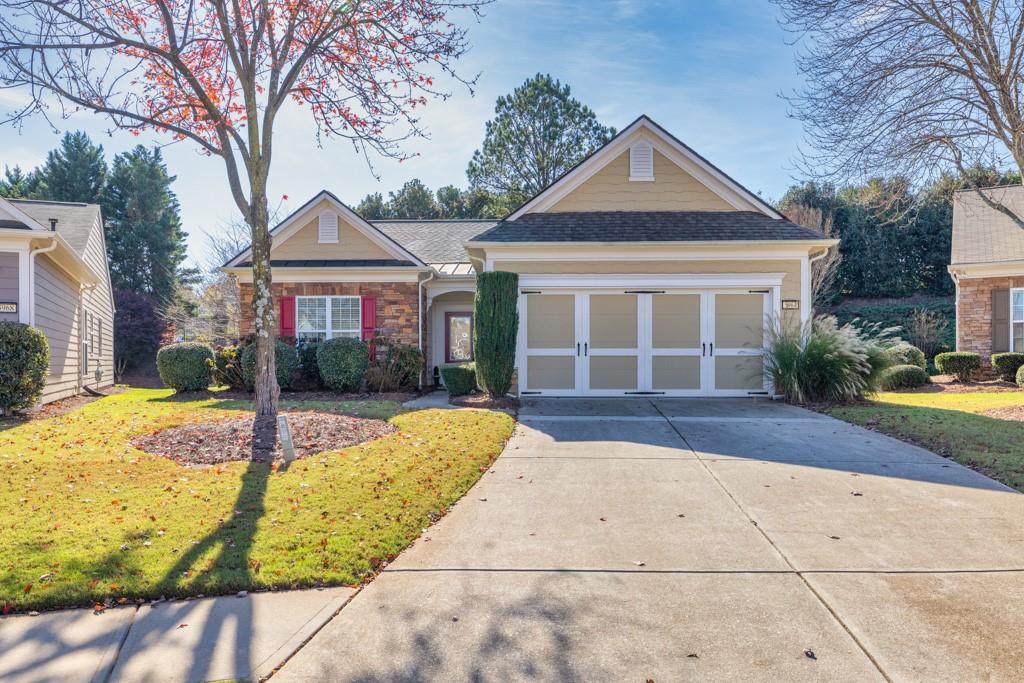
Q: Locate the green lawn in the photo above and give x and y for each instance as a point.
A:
(952, 425)
(85, 516)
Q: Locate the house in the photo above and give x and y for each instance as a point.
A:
(643, 270)
(987, 265)
(54, 275)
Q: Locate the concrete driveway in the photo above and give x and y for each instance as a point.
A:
(710, 539)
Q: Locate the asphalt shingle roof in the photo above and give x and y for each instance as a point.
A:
(75, 221)
(645, 226)
(435, 241)
(334, 263)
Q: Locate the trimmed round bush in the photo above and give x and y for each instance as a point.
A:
(1020, 377)
(24, 362)
(343, 362)
(961, 364)
(286, 362)
(904, 377)
(1007, 364)
(185, 366)
(907, 354)
(459, 379)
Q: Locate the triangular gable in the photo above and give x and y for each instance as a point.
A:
(8, 211)
(299, 219)
(728, 192)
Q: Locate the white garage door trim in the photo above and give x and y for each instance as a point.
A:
(583, 287)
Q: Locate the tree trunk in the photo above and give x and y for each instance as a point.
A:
(264, 315)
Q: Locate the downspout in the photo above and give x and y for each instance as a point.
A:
(419, 316)
(956, 310)
(810, 274)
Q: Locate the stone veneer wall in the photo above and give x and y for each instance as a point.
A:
(396, 303)
(974, 313)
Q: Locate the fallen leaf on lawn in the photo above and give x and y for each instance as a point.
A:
(28, 588)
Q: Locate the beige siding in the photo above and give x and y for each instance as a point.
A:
(352, 244)
(790, 282)
(57, 316)
(59, 305)
(9, 282)
(672, 189)
(98, 301)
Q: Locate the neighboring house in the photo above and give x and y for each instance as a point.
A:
(643, 270)
(53, 275)
(987, 265)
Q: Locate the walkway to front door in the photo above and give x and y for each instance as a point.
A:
(697, 539)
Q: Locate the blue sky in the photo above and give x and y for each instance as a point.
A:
(710, 71)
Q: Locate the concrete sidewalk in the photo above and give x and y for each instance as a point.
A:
(697, 540)
(237, 638)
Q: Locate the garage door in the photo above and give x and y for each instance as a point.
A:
(618, 343)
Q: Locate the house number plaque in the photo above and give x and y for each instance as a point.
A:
(791, 304)
(8, 307)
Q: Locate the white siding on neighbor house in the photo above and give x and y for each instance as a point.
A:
(98, 301)
(58, 308)
(9, 282)
(57, 316)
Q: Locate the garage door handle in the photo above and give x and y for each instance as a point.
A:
(711, 351)
(585, 351)
(703, 348)
(577, 348)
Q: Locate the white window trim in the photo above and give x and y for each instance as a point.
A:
(330, 333)
(1013, 321)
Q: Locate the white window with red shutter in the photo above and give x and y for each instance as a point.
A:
(325, 317)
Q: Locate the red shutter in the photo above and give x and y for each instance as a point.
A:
(287, 316)
(369, 317)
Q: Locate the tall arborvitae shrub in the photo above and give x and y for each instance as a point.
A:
(495, 326)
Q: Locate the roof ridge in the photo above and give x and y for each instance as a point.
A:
(49, 201)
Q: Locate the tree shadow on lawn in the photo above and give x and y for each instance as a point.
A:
(229, 570)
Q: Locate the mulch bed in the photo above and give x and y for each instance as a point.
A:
(1006, 413)
(57, 408)
(210, 443)
(948, 384)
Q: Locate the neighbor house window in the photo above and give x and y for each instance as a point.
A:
(323, 317)
(1017, 319)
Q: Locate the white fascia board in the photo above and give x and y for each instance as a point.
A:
(295, 222)
(715, 180)
(395, 274)
(665, 281)
(980, 270)
(650, 251)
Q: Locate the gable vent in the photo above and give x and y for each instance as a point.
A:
(328, 228)
(641, 161)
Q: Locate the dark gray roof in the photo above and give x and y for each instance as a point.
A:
(75, 221)
(645, 226)
(435, 241)
(334, 263)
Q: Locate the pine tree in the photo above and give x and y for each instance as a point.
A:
(145, 241)
(17, 184)
(74, 172)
